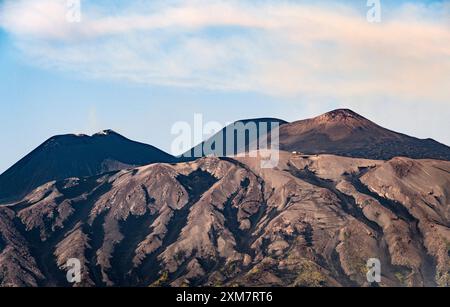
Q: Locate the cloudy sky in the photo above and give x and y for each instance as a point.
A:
(139, 66)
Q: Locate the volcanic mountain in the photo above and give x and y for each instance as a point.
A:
(262, 127)
(310, 221)
(66, 156)
(346, 133)
(340, 132)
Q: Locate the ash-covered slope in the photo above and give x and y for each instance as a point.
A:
(312, 221)
(71, 155)
(345, 133)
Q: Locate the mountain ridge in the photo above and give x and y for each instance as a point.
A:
(341, 132)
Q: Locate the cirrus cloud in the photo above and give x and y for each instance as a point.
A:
(281, 48)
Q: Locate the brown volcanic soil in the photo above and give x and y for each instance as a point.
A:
(313, 221)
(345, 133)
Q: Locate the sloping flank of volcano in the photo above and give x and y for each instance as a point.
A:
(346, 133)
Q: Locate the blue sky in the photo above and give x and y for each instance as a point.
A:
(139, 67)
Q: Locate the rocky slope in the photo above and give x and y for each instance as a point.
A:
(312, 221)
(71, 155)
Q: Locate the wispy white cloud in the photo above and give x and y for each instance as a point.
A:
(274, 47)
(93, 124)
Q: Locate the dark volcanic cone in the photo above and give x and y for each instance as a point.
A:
(71, 155)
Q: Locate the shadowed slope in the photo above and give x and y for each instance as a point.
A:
(68, 156)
